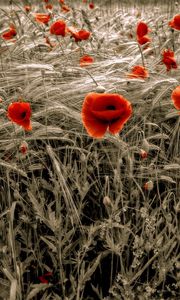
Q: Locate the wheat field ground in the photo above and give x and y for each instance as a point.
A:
(77, 221)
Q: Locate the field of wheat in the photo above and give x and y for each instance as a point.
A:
(89, 210)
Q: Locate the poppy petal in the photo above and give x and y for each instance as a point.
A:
(143, 40)
(142, 29)
(94, 127)
(118, 125)
(175, 22)
(175, 96)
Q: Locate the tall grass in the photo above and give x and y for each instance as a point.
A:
(76, 206)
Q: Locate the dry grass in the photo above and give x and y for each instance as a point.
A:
(75, 206)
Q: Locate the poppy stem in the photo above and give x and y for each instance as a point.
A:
(142, 57)
(91, 77)
(173, 44)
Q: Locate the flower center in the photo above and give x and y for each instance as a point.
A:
(23, 115)
(110, 107)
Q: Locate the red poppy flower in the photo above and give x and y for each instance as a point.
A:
(61, 1)
(65, 8)
(169, 59)
(175, 96)
(46, 1)
(42, 18)
(27, 8)
(58, 28)
(20, 113)
(142, 29)
(49, 6)
(138, 72)
(91, 5)
(79, 35)
(175, 22)
(105, 111)
(10, 34)
(43, 278)
(86, 60)
(143, 40)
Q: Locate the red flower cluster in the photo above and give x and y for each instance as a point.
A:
(138, 72)
(141, 33)
(169, 60)
(20, 113)
(175, 22)
(175, 96)
(105, 111)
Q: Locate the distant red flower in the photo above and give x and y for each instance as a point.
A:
(49, 6)
(175, 96)
(58, 28)
(175, 22)
(169, 59)
(142, 29)
(42, 18)
(23, 147)
(27, 8)
(91, 5)
(65, 8)
(79, 35)
(143, 40)
(61, 1)
(138, 72)
(43, 278)
(10, 34)
(86, 60)
(46, 1)
(105, 111)
(20, 113)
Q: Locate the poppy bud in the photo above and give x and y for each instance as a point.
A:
(27, 8)
(149, 185)
(23, 147)
(107, 201)
(100, 89)
(143, 154)
(83, 157)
